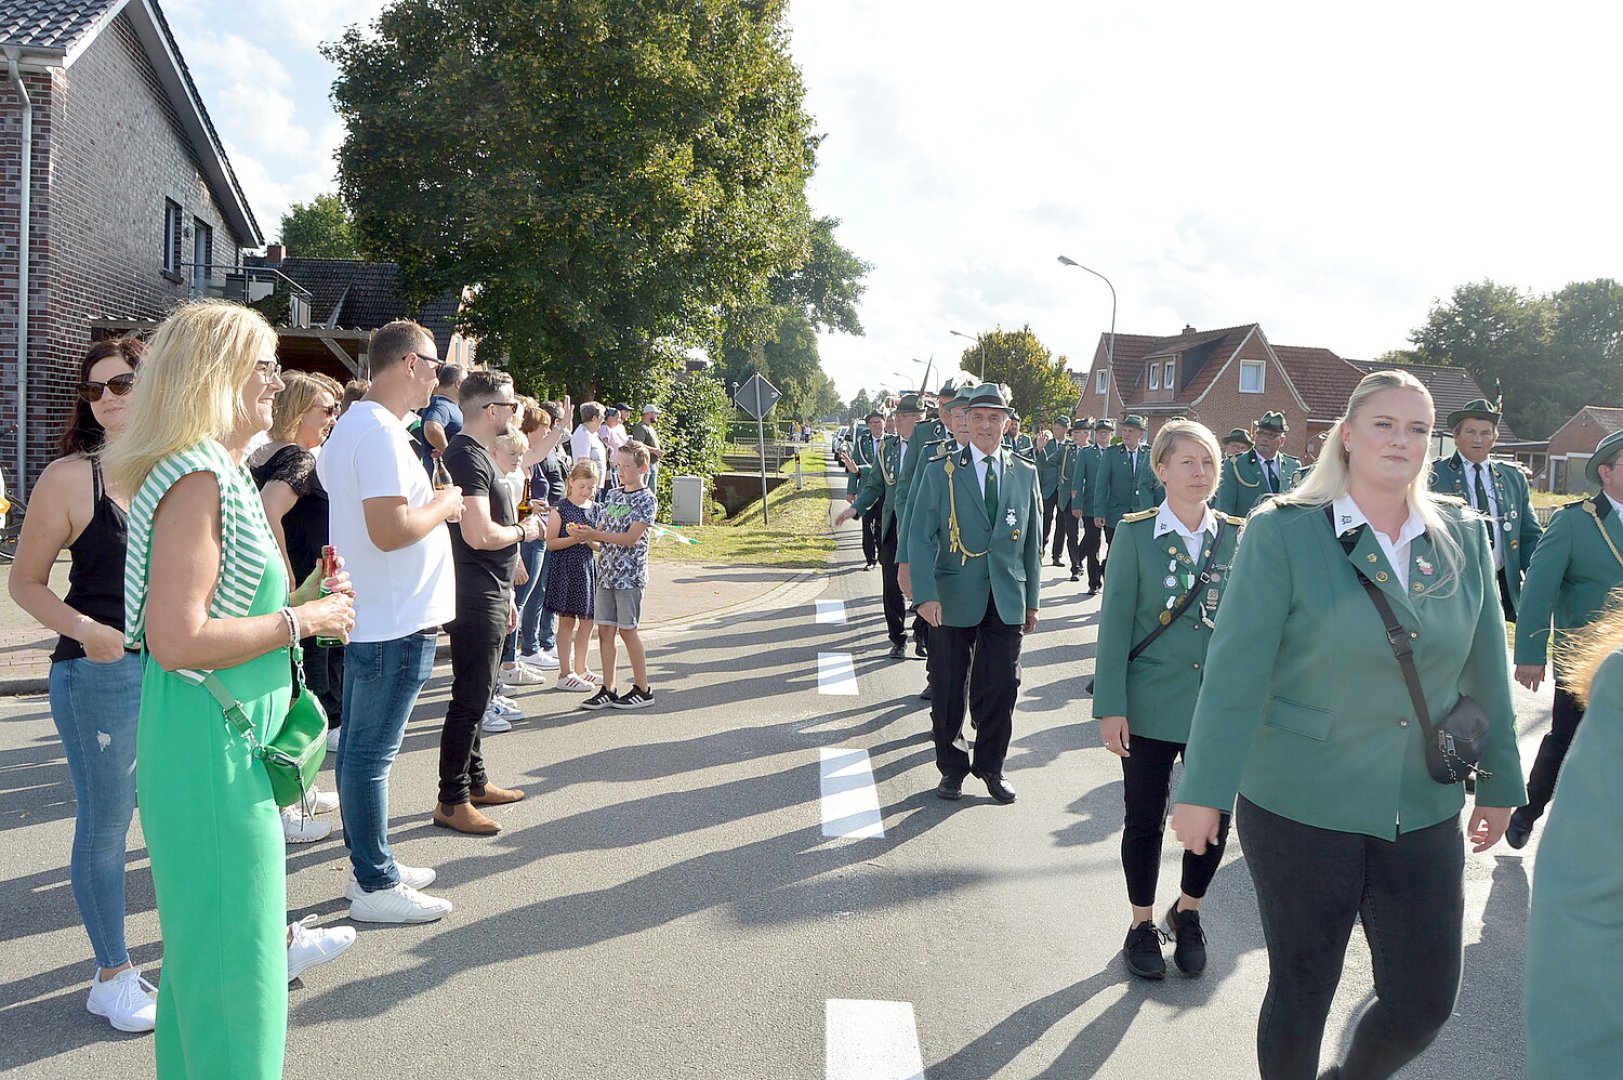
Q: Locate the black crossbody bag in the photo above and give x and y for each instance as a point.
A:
(1454, 747)
(1183, 605)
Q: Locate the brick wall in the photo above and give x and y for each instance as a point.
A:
(108, 150)
(1223, 406)
(1576, 440)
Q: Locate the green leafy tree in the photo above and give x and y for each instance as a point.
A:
(614, 178)
(319, 229)
(859, 408)
(1036, 378)
(692, 430)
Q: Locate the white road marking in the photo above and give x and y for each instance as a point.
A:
(835, 674)
(871, 1040)
(831, 611)
(850, 800)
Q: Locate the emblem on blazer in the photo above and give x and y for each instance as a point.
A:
(1015, 535)
(1009, 519)
(1425, 567)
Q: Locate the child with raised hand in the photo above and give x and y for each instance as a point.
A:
(623, 520)
(571, 577)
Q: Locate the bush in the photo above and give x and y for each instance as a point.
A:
(692, 431)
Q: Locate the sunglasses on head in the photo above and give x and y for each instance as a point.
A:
(118, 384)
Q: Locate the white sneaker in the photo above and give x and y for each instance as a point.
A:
(311, 947)
(574, 682)
(128, 1001)
(300, 828)
(401, 904)
(418, 877)
(541, 659)
(506, 707)
(521, 674)
(494, 723)
(332, 739)
(322, 802)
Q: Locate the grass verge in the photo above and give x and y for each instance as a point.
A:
(798, 536)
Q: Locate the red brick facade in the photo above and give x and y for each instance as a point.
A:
(1573, 444)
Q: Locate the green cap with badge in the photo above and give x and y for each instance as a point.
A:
(984, 396)
(1239, 435)
(910, 403)
(1605, 451)
(1274, 422)
(1104, 423)
(1133, 420)
(1061, 421)
(1479, 409)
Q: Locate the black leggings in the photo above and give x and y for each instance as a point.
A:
(1312, 884)
(1146, 785)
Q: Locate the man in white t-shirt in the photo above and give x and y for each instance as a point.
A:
(387, 523)
(586, 444)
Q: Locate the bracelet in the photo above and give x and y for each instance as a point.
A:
(292, 621)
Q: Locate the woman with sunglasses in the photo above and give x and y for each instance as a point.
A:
(95, 684)
(296, 507)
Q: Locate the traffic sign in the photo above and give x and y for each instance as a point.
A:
(757, 396)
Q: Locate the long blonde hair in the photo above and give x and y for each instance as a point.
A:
(1328, 480)
(191, 385)
(1579, 656)
(300, 392)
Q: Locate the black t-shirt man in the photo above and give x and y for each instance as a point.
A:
(484, 579)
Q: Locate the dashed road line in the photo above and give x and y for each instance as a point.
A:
(850, 800)
(831, 611)
(871, 1040)
(836, 675)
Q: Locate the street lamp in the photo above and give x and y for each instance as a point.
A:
(979, 343)
(1110, 349)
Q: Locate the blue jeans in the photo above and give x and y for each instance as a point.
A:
(95, 706)
(528, 597)
(546, 631)
(381, 682)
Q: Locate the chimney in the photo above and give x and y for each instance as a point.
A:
(1187, 329)
(274, 254)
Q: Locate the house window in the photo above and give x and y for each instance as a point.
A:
(1155, 376)
(1166, 380)
(1101, 380)
(202, 253)
(1252, 376)
(171, 236)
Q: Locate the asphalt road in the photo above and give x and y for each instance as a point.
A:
(666, 904)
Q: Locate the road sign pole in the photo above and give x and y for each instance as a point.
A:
(760, 427)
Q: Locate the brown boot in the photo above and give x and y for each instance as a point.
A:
(465, 819)
(491, 795)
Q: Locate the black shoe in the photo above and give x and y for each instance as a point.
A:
(950, 788)
(999, 789)
(1520, 829)
(1075, 576)
(1058, 563)
(898, 650)
(925, 693)
(921, 648)
(638, 697)
(1093, 590)
(868, 566)
(1143, 951)
(1190, 952)
(603, 699)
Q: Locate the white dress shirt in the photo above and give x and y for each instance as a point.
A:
(1349, 516)
(981, 464)
(1194, 542)
(1491, 511)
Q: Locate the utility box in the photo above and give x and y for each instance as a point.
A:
(687, 500)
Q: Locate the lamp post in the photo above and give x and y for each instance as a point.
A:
(979, 344)
(1110, 348)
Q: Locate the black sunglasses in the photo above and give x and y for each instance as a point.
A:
(118, 384)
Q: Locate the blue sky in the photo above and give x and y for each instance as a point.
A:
(1327, 171)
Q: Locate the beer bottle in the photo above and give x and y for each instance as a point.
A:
(329, 567)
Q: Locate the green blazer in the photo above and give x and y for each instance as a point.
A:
(1242, 485)
(1000, 558)
(1157, 691)
(1517, 528)
(889, 479)
(1574, 1015)
(1304, 709)
(936, 445)
(1090, 462)
(1572, 571)
(1021, 444)
(1065, 481)
(1121, 490)
(862, 452)
(1048, 462)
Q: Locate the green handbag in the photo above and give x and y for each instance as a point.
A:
(294, 754)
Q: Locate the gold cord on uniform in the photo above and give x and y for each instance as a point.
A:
(1604, 535)
(955, 540)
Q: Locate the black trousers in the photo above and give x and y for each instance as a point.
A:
(1069, 527)
(324, 675)
(987, 657)
(1110, 538)
(1146, 789)
(476, 634)
(871, 522)
(895, 603)
(1504, 599)
(1092, 538)
(1050, 513)
(1312, 884)
(1565, 716)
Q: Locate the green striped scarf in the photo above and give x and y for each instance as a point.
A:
(247, 542)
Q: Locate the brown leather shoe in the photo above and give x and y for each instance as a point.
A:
(463, 818)
(491, 795)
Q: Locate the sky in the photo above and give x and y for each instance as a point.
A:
(1328, 171)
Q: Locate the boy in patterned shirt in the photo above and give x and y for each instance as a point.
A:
(624, 517)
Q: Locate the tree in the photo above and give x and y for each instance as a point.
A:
(693, 421)
(859, 408)
(613, 179)
(1038, 383)
(319, 229)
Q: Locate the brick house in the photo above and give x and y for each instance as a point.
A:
(1228, 378)
(130, 200)
(1573, 444)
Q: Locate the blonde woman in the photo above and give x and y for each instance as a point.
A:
(1305, 713)
(206, 590)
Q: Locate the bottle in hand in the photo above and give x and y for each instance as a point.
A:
(441, 481)
(329, 567)
(524, 503)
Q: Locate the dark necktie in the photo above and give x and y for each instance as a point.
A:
(991, 489)
(1273, 477)
(1482, 505)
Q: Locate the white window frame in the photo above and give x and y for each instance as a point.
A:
(1101, 380)
(1261, 368)
(172, 236)
(1155, 376)
(1167, 379)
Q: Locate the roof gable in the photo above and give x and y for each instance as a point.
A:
(360, 295)
(1451, 388)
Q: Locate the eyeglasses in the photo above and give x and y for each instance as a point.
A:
(118, 384)
(270, 369)
(330, 410)
(503, 405)
(434, 362)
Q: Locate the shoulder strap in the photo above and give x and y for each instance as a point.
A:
(1188, 597)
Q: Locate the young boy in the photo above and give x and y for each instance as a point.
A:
(625, 514)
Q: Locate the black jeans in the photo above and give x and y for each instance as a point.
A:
(1565, 716)
(1311, 885)
(871, 522)
(1092, 537)
(476, 655)
(324, 675)
(1068, 527)
(1146, 788)
(1050, 514)
(895, 602)
(992, 650)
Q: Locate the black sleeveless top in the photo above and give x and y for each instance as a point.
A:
(96, 574)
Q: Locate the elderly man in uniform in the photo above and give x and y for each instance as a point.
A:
(1262, 471)
(1496, 490)
(1127, 481)
(1236, 442)
(1049, 449)
(858, 461)
(1578, 562)
(974, 539)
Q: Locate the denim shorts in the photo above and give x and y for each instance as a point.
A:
(618, 607)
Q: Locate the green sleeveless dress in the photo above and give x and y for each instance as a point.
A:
(213, 831)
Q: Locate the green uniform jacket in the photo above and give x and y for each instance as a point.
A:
(1242, 485)
(1517, 527)
(1070, 461)
(1572, 570)
(862, 452)
(936, 443)
(1005, 563)
(888, 482)
(1048, 461)
(1090, 462)
(1121, 491)
(1575, 932)
(1304, 709)
(1021, 444)
(1157, 691)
